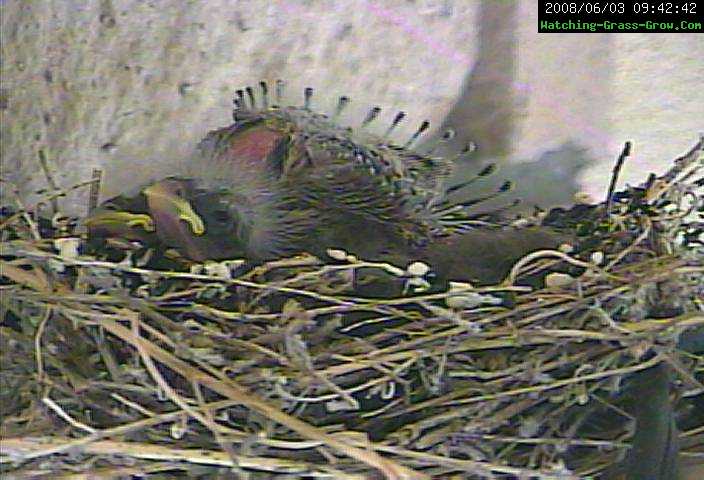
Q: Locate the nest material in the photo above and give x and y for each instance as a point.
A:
(114, 367)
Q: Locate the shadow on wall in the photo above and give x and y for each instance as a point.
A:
(489, 111)
(485, 112)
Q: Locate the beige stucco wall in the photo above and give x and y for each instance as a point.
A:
(129, 85)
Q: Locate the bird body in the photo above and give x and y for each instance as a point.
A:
(286, 180)
(486, 255)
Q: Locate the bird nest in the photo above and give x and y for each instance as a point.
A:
(115, 366)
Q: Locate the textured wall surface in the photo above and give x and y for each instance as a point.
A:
(130, 85)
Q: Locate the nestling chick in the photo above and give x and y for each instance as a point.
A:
(286, 180)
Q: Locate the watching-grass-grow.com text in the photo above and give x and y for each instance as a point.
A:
(571, 25)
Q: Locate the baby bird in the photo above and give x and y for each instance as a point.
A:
(285, 180)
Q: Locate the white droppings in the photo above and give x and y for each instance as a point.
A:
(418, 269)
(556, 279)
(67, 247)
(218, 269)
(470, 300)
(337, 254)
(597, 257)
(460, 286)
